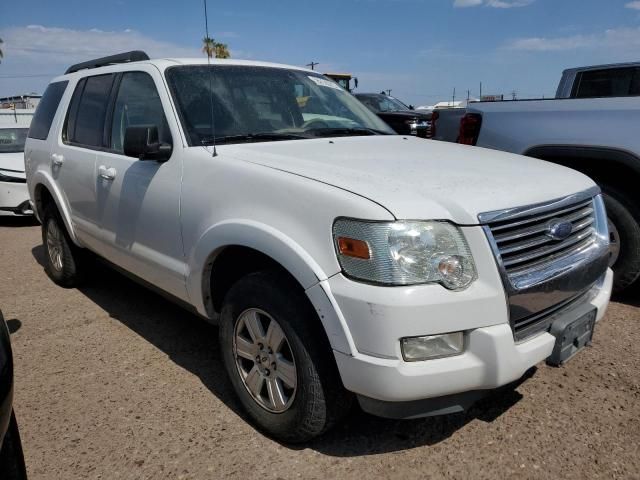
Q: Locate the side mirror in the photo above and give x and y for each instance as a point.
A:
(141, 142)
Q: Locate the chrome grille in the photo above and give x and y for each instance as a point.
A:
(543, 263)
(525, 245)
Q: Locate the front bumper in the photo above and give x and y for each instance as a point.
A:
(492, 359)
(14, 199)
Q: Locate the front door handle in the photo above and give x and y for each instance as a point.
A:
(57, 159)
(106, 173)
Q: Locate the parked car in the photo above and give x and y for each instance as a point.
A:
(403, 119)
(339, 259)
(14, 197)
(593, 132)
(11, 457)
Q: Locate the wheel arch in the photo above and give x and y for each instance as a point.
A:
(228, 250)
(611, 166)
(44, 191)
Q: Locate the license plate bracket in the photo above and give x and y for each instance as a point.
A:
(572, 335)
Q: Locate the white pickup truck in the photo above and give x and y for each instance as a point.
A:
(591, 126)
(340, 260)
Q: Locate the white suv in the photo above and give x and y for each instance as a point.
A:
(340, 260)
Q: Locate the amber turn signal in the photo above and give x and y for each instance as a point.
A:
(353, 248)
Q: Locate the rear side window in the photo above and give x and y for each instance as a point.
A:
(85, 122)
(41, 122)
(612, 82)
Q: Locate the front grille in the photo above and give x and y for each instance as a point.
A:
(524, 243)
(544, 265)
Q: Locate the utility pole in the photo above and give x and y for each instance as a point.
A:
(468, 95)
(481, 91)
(389, 92)
(312, 65)
(453, 99)
(514, 94)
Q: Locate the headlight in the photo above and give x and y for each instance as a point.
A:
(404, 252)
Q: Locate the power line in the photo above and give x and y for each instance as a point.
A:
(20, 75)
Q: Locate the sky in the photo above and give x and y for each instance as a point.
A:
(420, 49)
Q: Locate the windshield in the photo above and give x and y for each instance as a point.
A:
(12, 139)
(382, 103)
(264, 104)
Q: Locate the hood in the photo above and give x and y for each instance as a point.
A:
(419, 179)
(12, 161)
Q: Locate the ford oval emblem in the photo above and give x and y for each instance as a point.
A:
(559, 230)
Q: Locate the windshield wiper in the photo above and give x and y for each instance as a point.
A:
(330, 132)
(252, 137)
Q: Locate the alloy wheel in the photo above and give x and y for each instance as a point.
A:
(264, 360)
(54, 244)
(614, 243)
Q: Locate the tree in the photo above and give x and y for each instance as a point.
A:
(222, 50)
(215, 49)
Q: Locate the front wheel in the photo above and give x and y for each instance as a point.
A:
(278, 358)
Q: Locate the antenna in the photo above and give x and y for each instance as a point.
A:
(210, 72)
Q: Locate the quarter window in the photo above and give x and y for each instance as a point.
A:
(137, 104)
(41, 122)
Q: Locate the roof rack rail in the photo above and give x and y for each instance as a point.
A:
(133, 56)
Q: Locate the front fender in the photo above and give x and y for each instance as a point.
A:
(284, 250)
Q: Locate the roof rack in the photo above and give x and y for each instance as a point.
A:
(133, 56)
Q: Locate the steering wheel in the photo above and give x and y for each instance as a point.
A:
(315, 123)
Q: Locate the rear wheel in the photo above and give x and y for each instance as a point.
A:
(278, 358)
(624, 236)
(64, 261)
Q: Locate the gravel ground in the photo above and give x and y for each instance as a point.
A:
(112, 381)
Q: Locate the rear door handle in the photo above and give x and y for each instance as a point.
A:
(106, 173)
(57, 159)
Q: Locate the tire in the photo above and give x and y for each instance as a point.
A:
(317, 400)
(65, 263)
(11, 457)
(625, 217)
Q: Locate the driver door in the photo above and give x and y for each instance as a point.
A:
(138, 201)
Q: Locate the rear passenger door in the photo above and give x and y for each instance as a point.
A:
(73, 159)
(138, 201)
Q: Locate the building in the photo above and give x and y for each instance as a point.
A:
(27, 101)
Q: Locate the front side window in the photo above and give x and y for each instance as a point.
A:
(246, 103)
(137, 104)
(47, 107)
(87, 111)
(12, 139)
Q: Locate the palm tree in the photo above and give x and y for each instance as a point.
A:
(215, 49)
(209, 46)
(222, 50)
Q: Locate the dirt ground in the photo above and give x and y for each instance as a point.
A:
(114, 382)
